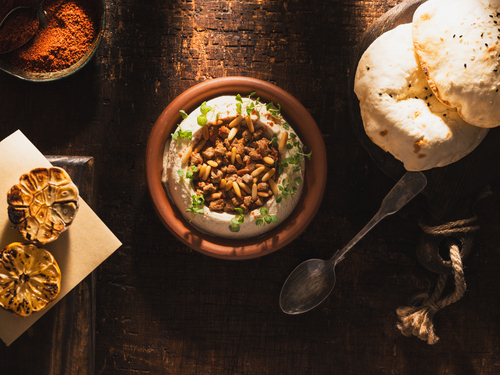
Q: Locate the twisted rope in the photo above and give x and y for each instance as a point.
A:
(417, 320)
(455, 227)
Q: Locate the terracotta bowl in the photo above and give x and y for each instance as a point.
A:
(54, 76)
(315, 175)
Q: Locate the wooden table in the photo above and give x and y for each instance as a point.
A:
(161, 308)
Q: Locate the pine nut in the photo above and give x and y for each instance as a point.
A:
(228, 186)
(243, 171)
(237, 189)
(245, 187)
(204, 130)
(274, 187)
(233, 155)
(259, 165)
(262, 194)
(200, 145)
(249, 124)
(233, 132)
(202, 170)
(212, 163)
(213, 196)
(238, 159)
(254, 192)
(235, 122)
(268, 174)
(268, 160)
(283, 140)
(186, 155)
(206, 173)
(258, 171)
(222, 184)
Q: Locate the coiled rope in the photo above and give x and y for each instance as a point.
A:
(417, 320)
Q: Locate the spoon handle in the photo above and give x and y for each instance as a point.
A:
(404, 191)
(37, 6)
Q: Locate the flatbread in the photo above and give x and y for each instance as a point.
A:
(399, 111)
(458, 43)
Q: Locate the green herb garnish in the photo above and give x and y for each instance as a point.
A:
(239, 102)
(189, 173)
(236, 221)
(183, 113)
(250, 108)
(274, 140)
(266, 218)
(274, 110)
(308, 156)
(293, 142)
(184, 134)
(295, 160)
(286, 189)
(204, 109)
(197, 205)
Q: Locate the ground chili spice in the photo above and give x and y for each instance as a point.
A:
(71, 29)
(17, 29)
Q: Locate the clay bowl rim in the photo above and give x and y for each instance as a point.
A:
(314, 182)
(69, 71)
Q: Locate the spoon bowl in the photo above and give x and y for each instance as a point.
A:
(22, 21)
(298, 296)
(17, 28)
(313, 280)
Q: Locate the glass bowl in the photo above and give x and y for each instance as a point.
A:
(52, 76)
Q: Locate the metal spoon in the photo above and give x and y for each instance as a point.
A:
(37, 15)
(313, 280)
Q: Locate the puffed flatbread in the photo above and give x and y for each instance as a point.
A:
(458, 43)
(399, 111)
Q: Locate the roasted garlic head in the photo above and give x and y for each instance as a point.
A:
(30, 278)
(43, 204)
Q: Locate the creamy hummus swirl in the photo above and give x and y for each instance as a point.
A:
(289, 178)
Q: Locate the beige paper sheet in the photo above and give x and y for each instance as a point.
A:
(78, 250)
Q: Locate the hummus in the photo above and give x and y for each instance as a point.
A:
(241, 173)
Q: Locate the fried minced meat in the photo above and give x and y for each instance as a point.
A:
(235, 171)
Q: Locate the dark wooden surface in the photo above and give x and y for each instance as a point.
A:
(162, 308)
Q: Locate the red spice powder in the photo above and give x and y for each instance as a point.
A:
(70, 31)
(17, 29)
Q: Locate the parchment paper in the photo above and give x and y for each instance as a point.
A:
(78, 251)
